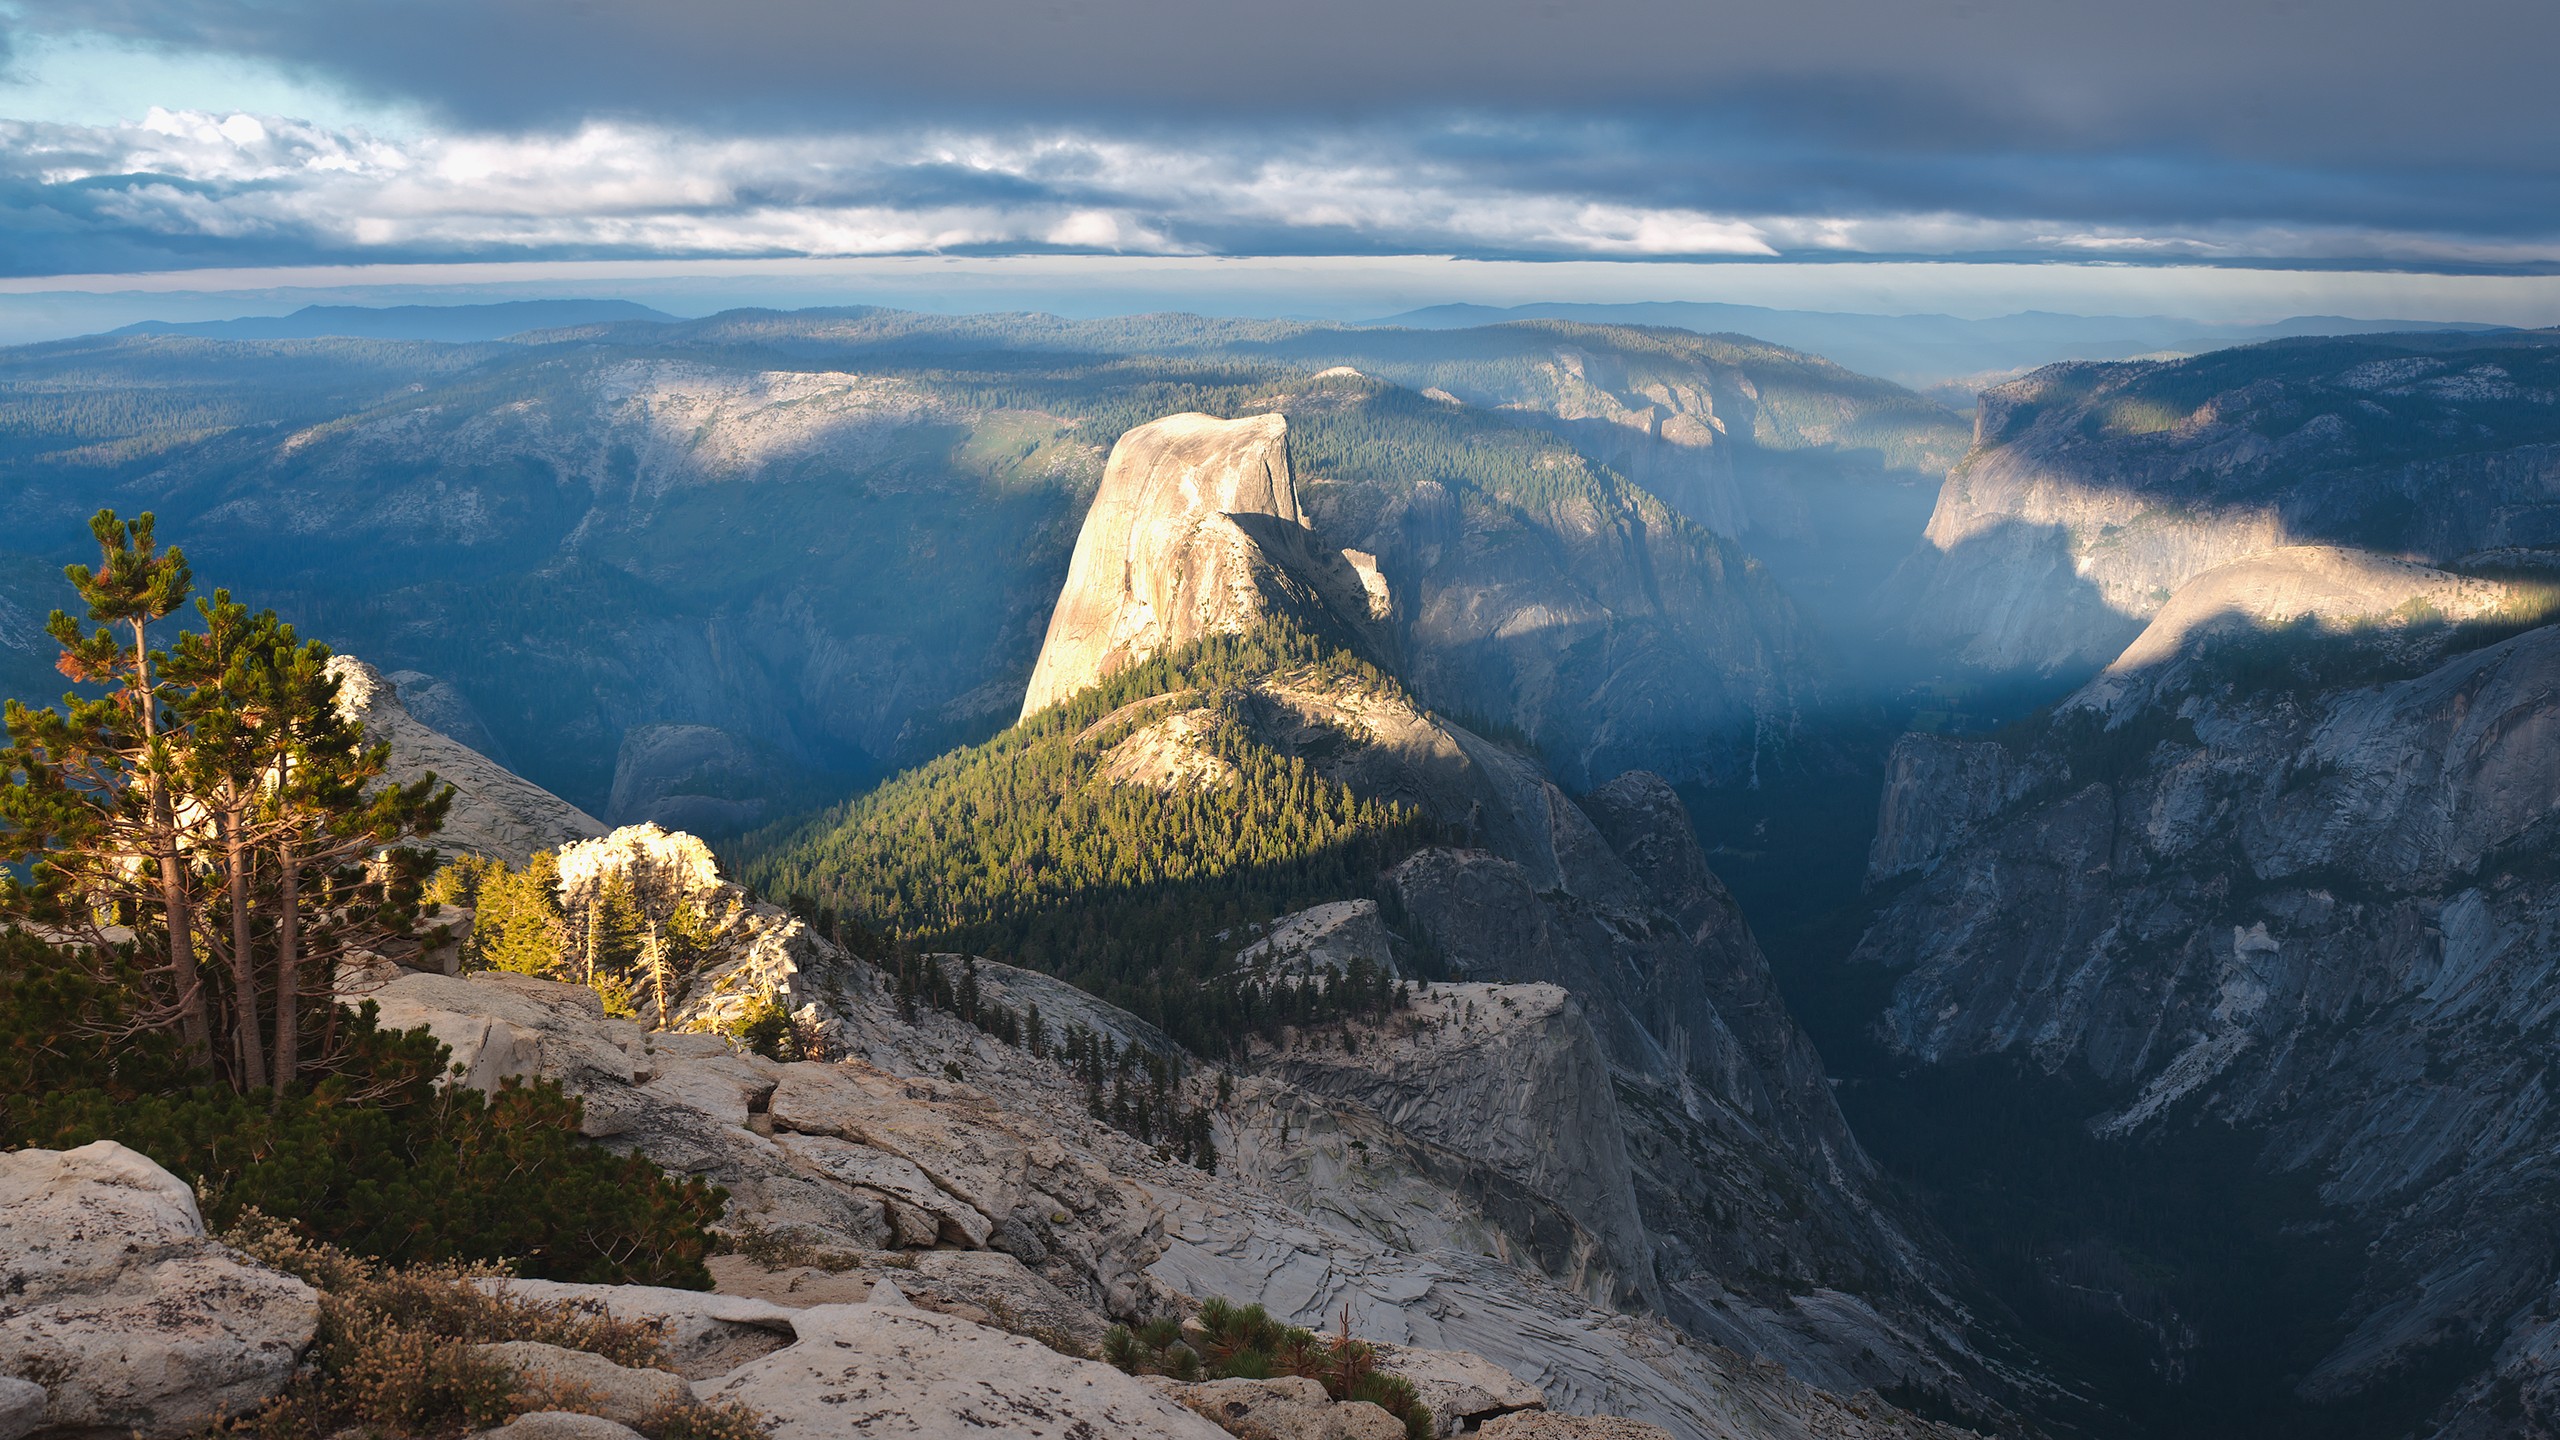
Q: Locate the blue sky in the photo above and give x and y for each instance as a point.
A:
(2397, 153)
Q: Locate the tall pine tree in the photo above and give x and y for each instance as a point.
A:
(213, 803)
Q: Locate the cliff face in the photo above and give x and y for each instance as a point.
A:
(495, 812)
(1195, 532)
(2316, 906)
(1685, 1154)
(1936, 788)
(2324, 591)
(1496, 1092)
(2095, 492)
(1597, 622)
(1756, 1201)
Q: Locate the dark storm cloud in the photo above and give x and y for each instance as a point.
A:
(2287, 79)
(2353, 131)
(1655, 160)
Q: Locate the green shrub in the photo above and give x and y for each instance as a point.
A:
(382, 1158)
(764, 1026)
(61, 1027)
(718, 1420)
(1244, 1342)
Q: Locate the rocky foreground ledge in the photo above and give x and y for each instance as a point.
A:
(122, 1314)
(932, 1231)
(932, 1235)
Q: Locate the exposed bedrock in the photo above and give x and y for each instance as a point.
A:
(495, 812)
(2317, 906)
(1195, 532)
(2094, 492)
(120, 1313)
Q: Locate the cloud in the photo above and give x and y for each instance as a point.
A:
(2218, 131)
(2266, 79)
(196, 187)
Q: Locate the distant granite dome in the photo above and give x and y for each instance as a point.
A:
(1195, 532)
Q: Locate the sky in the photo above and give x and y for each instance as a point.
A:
(2241, 153)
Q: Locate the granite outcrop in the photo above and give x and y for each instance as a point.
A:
(2314, 907)
(121, 1313)
(1196, 532)
(2095, 492)
(495, 811)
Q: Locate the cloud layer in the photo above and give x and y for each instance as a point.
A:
(2352, 133)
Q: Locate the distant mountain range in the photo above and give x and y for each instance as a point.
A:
(450, 323)
(679, 568)
(1946, 357)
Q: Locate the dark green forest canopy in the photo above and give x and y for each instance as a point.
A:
(1019, 849)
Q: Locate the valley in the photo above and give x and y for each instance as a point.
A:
(1647, 857)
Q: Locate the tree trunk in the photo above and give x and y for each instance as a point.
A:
(195, 1026)
(658, 973)
(288, 1066)
(244, 960)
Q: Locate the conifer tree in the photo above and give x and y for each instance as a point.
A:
(616, 931)
(519, 926)
(214, 803)
(89, 802)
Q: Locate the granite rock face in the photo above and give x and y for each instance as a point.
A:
(1936, 788)
(440, 706)
(1509, 1079)
(1599, 623)
(117, 1304)
(899, 1371)
(1462, 1390)
(22, 1405)
(495, 812)
(1625, 1149)
(1290, 1408)
(1330, 936)
(2327, 590)
(2094, 492)
(1659, 1138)
(1603, 624)
(696, 778)
(1195, 532)
(1611, 901)
(602, 1388)
(2315, 907)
